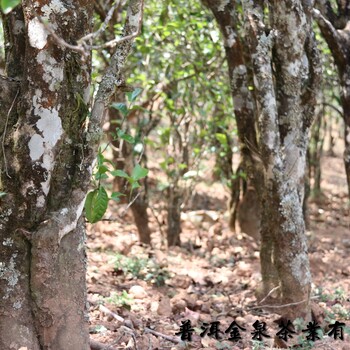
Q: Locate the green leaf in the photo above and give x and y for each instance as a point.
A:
(133, 95)
(2, 194)
(100, 158)
(121, 107)
(126, 137)
(8, 5)
(116, 196)
(135, 185)
(102, 169)
(96, 204)
(139, 173)
(120, 173)
(99, 176)
(221, 138)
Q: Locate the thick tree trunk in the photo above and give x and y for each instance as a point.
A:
(42, 273)
(46, 164)
(274, 74)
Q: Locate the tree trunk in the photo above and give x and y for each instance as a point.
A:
(273, 80)
(345, 97)
(174, 215)
(42, 233)
(125, 160)
(336, 31)
(46, 164)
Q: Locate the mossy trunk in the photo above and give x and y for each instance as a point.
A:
(44, 98)
(274, 76)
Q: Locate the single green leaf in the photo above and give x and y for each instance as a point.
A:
(120, 173)
(133, 95)
(100, 158)
(99, 176)
(116, 196)
(96, 204)
(102, 169)
(121, 107)
(8, 5)
(2, 194)
(126, 137)
(135, 185)
(221, 138)
(138, 172)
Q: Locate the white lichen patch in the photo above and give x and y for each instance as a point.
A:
(300, 269)
(231, 36)
(53, 71)
(36, 147)
(293, 68)
(10, 274)
(269, 104)
(64, 211)
(134, 18)
(66, 222)
(294, 157)
(37, 34)
(56, 6)
(40, 201)
(238, 74)
(5, 214)
(7, 242)
(222, 4)
(17, 305)
(42, 143)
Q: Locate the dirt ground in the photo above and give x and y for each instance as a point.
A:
(139, 296)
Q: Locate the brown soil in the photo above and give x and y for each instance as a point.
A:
(214, 275)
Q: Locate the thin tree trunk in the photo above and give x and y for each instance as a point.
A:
(125, 160)
(336, 31)
(174, 216)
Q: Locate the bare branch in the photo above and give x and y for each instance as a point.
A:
(4, 134)
(103, 26)
(83, 47)
(332, 37)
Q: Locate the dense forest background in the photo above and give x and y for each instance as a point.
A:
(207, 145)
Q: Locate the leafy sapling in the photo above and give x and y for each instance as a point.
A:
(97, 200)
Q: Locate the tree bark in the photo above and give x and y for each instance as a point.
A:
(274, 71)
(42, 233)
(46, 164)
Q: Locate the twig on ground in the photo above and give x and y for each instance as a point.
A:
(277, 306)
(111, 313)
(269, 293)
(167, 337)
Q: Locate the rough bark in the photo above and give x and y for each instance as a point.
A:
(334, 24)
(174, 215)
(273, 120)
(46, 163)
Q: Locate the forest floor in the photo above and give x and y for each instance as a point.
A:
(139, 295)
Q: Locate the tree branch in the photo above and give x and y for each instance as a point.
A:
(331, 36)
